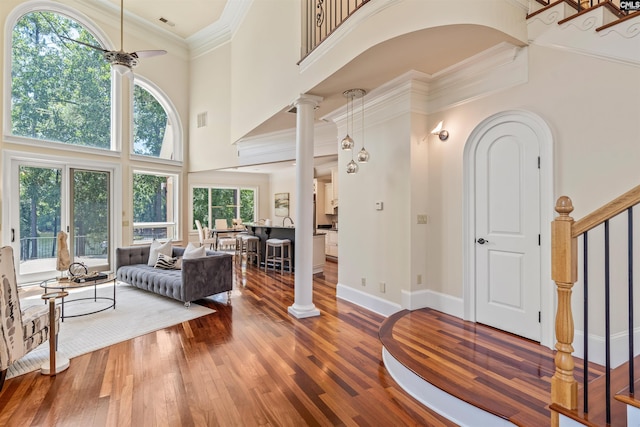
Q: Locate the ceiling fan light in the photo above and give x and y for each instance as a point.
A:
(122, 70)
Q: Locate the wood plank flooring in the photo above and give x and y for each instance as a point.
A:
(248, 364)
(501, 373)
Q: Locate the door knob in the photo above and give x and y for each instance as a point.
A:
(482, 241)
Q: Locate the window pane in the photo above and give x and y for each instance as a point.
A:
(201, 207)
(90, 216)
(223, 203)
(150, 126)
(149, 198)
(153, 206)
(39, 217)
(60, 90)
(247, 205)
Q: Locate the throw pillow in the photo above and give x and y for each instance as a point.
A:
(166, 262)
(158, 248)
(192, 251)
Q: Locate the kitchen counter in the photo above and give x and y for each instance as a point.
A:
(265, 232)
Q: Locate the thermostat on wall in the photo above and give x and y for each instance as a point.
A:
(378, 206)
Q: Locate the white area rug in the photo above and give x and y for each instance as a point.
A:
(137, 312)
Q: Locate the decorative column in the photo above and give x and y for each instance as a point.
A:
(303, 287)
(564, 271)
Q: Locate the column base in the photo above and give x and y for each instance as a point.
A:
(301, 312)
(62, 363)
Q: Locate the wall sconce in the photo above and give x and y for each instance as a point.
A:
(442, 134)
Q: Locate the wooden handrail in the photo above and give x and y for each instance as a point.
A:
(564, 271)
(608, 211)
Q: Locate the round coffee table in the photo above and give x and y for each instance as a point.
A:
(67, 284)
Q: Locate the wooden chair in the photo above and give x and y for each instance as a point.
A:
(20, 330)
(202, 236)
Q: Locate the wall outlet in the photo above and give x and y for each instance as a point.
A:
(419, 279)
(383, 287)
(363, 281)
(423, 219)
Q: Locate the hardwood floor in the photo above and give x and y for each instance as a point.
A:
(503, 374)
(248, 364)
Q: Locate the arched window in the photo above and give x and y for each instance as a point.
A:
(60, 89)
(156, 128)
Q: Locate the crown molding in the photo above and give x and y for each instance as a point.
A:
(221, 31)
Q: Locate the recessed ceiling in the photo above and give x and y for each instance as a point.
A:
(184, 17)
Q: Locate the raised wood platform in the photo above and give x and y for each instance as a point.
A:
(502, 374)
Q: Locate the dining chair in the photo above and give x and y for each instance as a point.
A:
(203, 237)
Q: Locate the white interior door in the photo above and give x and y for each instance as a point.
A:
(507, 225)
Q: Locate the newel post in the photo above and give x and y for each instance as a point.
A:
(564, 271)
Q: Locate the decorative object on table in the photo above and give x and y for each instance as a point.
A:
(78, 269)
(20, 331)
(282, 204)
(63, 260)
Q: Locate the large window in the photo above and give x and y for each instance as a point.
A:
(152, 134)
(211, 203)
(60, 89)
(154, 206)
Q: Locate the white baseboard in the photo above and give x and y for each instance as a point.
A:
(368, 301)
(429, 299)
(619, 347)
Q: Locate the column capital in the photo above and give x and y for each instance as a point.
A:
(307, 99)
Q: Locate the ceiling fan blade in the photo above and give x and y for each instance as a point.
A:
(148, 53)
(83, 43)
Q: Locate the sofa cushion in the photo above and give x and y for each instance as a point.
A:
(162, 282)
(158, 248)
(166, 262)
(192, 251)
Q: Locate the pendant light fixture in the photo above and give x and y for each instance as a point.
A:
(347, 142)
(363, 155)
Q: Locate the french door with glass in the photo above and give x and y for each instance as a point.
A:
(53, 198)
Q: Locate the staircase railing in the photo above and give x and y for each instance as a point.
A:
(320, 18)
(581, 5)
(564, 240)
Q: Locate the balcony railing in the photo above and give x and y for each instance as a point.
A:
(322, 17)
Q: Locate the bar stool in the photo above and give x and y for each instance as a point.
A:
(278, 251)
(251, 247)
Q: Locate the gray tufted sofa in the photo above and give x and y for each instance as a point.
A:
(198, 278)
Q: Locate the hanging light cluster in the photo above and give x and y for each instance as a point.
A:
(347, 142)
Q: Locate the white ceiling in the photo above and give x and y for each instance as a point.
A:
(185, 17)
(428, 51)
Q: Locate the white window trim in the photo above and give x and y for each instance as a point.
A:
(256, 196)
(172, 116)
(71, 13)
(10, 156)
(176, 206)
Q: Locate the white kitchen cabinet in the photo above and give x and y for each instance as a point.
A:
(331, 243)
(319, 255)
(334, 186)
(328, 199)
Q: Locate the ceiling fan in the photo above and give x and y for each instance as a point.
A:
(120, 57)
